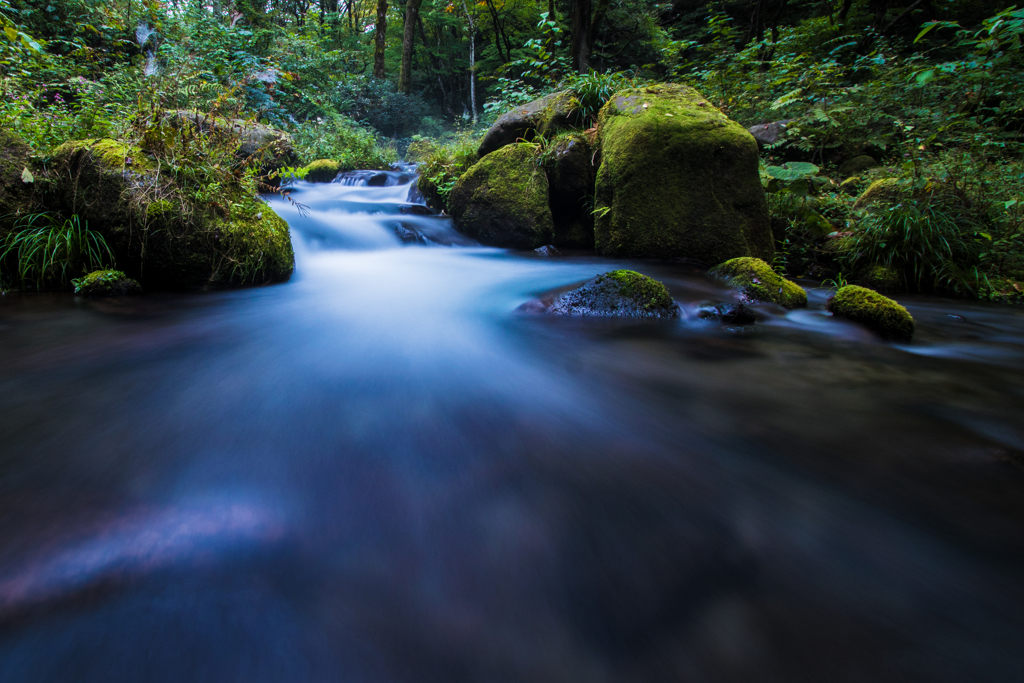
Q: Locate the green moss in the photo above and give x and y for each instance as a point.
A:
(884, 279)
(322, 171)
(677, 179)
(645, 291)
(758, 282)
(159, 209)
(255, 247)
(876, 312)
(106, 283)
(502, 201)
(886, 189)
(112, 155)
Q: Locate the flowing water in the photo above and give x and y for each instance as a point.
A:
(381, 471)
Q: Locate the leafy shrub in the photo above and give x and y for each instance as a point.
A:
(443, 168)
(344, 141)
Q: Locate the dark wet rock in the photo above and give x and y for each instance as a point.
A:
(15, 187)
(571, 174)
(408, 234)
(547, 250)
(106, 283)
(619, 293)
(502, 201)
(727, 313)
(758, 283)
(677, 179)
(878, 313)
(415, 210)
(377, 180)
(769, 133)
(546, 115)
(857, 165)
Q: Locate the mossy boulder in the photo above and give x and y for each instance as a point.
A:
(106, 283)
(758, 283)
(502, 201)
(619, 293)
(15, 192)
(420, 150)
(322, 171)
(677, 179)
(857, 165)
(569, 162)
(545, 115)
(161, 234)
(886, 189)
(878, 313)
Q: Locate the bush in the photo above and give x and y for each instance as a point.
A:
(343, 140)
(443, 168)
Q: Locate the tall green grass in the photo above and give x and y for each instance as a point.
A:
(45, 250)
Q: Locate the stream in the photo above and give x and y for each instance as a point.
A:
(381, 471)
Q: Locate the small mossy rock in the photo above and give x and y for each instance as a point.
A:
(419, 151)
(857, 165)
(878, 313)
(322, 171)
(158, 236)
(502, 201)
(569, 162)
(886, 189)
(677, 179)
(757, 282)
(15, 193)
(883, 279)
(546, 115)
(851, 186)
(106, 283)
(619, 293)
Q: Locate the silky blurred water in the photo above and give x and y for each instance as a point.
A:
(382, 471)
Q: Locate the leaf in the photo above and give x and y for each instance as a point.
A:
(26, 176)
(801, 167)
(12, 35)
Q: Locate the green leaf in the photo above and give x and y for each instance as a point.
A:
(26, 176)
(801, 167)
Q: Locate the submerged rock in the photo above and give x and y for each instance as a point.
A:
(322, 171)
(546, 250)
(619, 293)
(728, 313)
(677, 179)
(545, 115)
(159, 233)
(878, 313)
(758, 283)
(502, 201)
(106, 283)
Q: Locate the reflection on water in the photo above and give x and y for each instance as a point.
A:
(379, 471)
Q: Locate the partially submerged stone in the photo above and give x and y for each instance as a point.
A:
(619, 293)
(158, 233)
(106, 283)
(322, 171)
(878, 313)
(729, 313)
(502, 201)
(758, 283)
(677, 179)
(546, 115)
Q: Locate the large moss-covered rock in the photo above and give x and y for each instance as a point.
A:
(322, 170)
(161, 235)
(502, 201)
(569, 162)
(15, 192)
(677, 179)
(619, 294)
(878, 313)
(546, 115)
(758, 283)
(106, 283)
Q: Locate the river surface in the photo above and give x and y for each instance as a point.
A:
(382, 472)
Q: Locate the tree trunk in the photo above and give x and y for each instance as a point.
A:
(584, 29)
(472, 60)
(412, 15)
(380, 39)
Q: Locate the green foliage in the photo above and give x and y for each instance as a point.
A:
(46, 250)
(339, 138)
(444, 166)
(106, 283)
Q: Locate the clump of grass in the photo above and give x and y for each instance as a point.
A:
(46, 250)
(443, 168)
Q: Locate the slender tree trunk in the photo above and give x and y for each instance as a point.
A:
(584, 28)
(412, 15)
(498, 35)
(380, 39)
(472, 60)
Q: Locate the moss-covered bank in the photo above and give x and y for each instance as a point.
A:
(677, 179)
